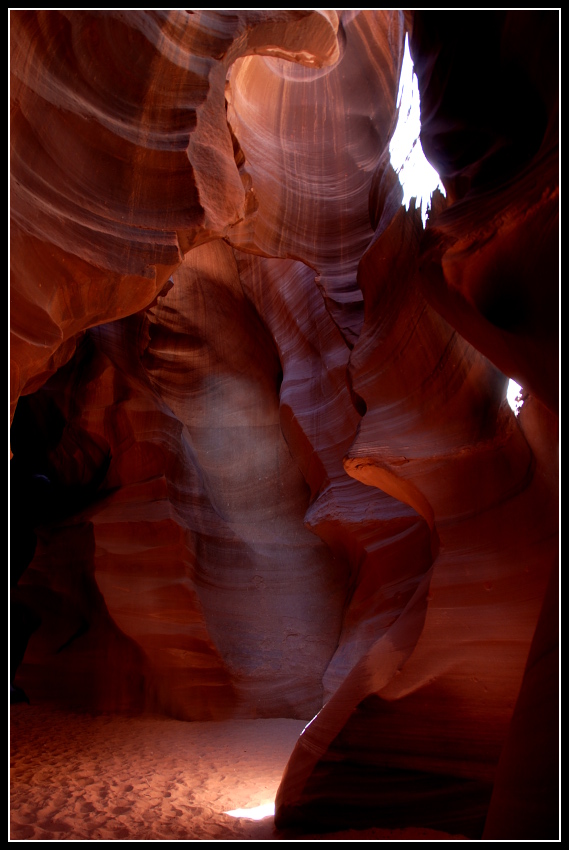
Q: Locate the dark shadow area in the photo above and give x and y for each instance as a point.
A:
(41, 495)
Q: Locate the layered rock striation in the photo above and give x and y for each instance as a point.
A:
(262, 413)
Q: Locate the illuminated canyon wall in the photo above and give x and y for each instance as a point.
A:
(280, 475)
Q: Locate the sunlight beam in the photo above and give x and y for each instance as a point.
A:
(515, 396)
(418, 178)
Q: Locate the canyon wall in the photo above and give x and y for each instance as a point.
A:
(263, 463)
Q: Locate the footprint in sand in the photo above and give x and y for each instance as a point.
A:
(26, 816)
(121, 810)
(53, 825)
(21, 832)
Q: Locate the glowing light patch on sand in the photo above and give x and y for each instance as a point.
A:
(418, 178)
(515, 397)
(267, 810)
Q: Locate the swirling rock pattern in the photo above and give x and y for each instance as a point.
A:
(112, 184)
(318, 503)
(480, 482)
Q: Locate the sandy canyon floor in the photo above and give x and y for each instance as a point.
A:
(78, 776)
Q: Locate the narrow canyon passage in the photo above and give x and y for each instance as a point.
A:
(265, 479)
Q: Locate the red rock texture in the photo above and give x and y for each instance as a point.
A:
(122, 158)
(316, 500)
(491, 128)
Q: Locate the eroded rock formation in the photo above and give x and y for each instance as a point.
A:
(318, 503)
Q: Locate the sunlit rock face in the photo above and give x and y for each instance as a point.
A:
(313, 141)
(122, 159)
(271, 408)
(205, 565)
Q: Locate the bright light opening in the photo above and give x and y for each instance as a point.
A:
(418, 178)
(267, 810)
(309, 722)
(515, 396)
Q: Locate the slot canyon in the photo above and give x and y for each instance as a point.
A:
(265, 484)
